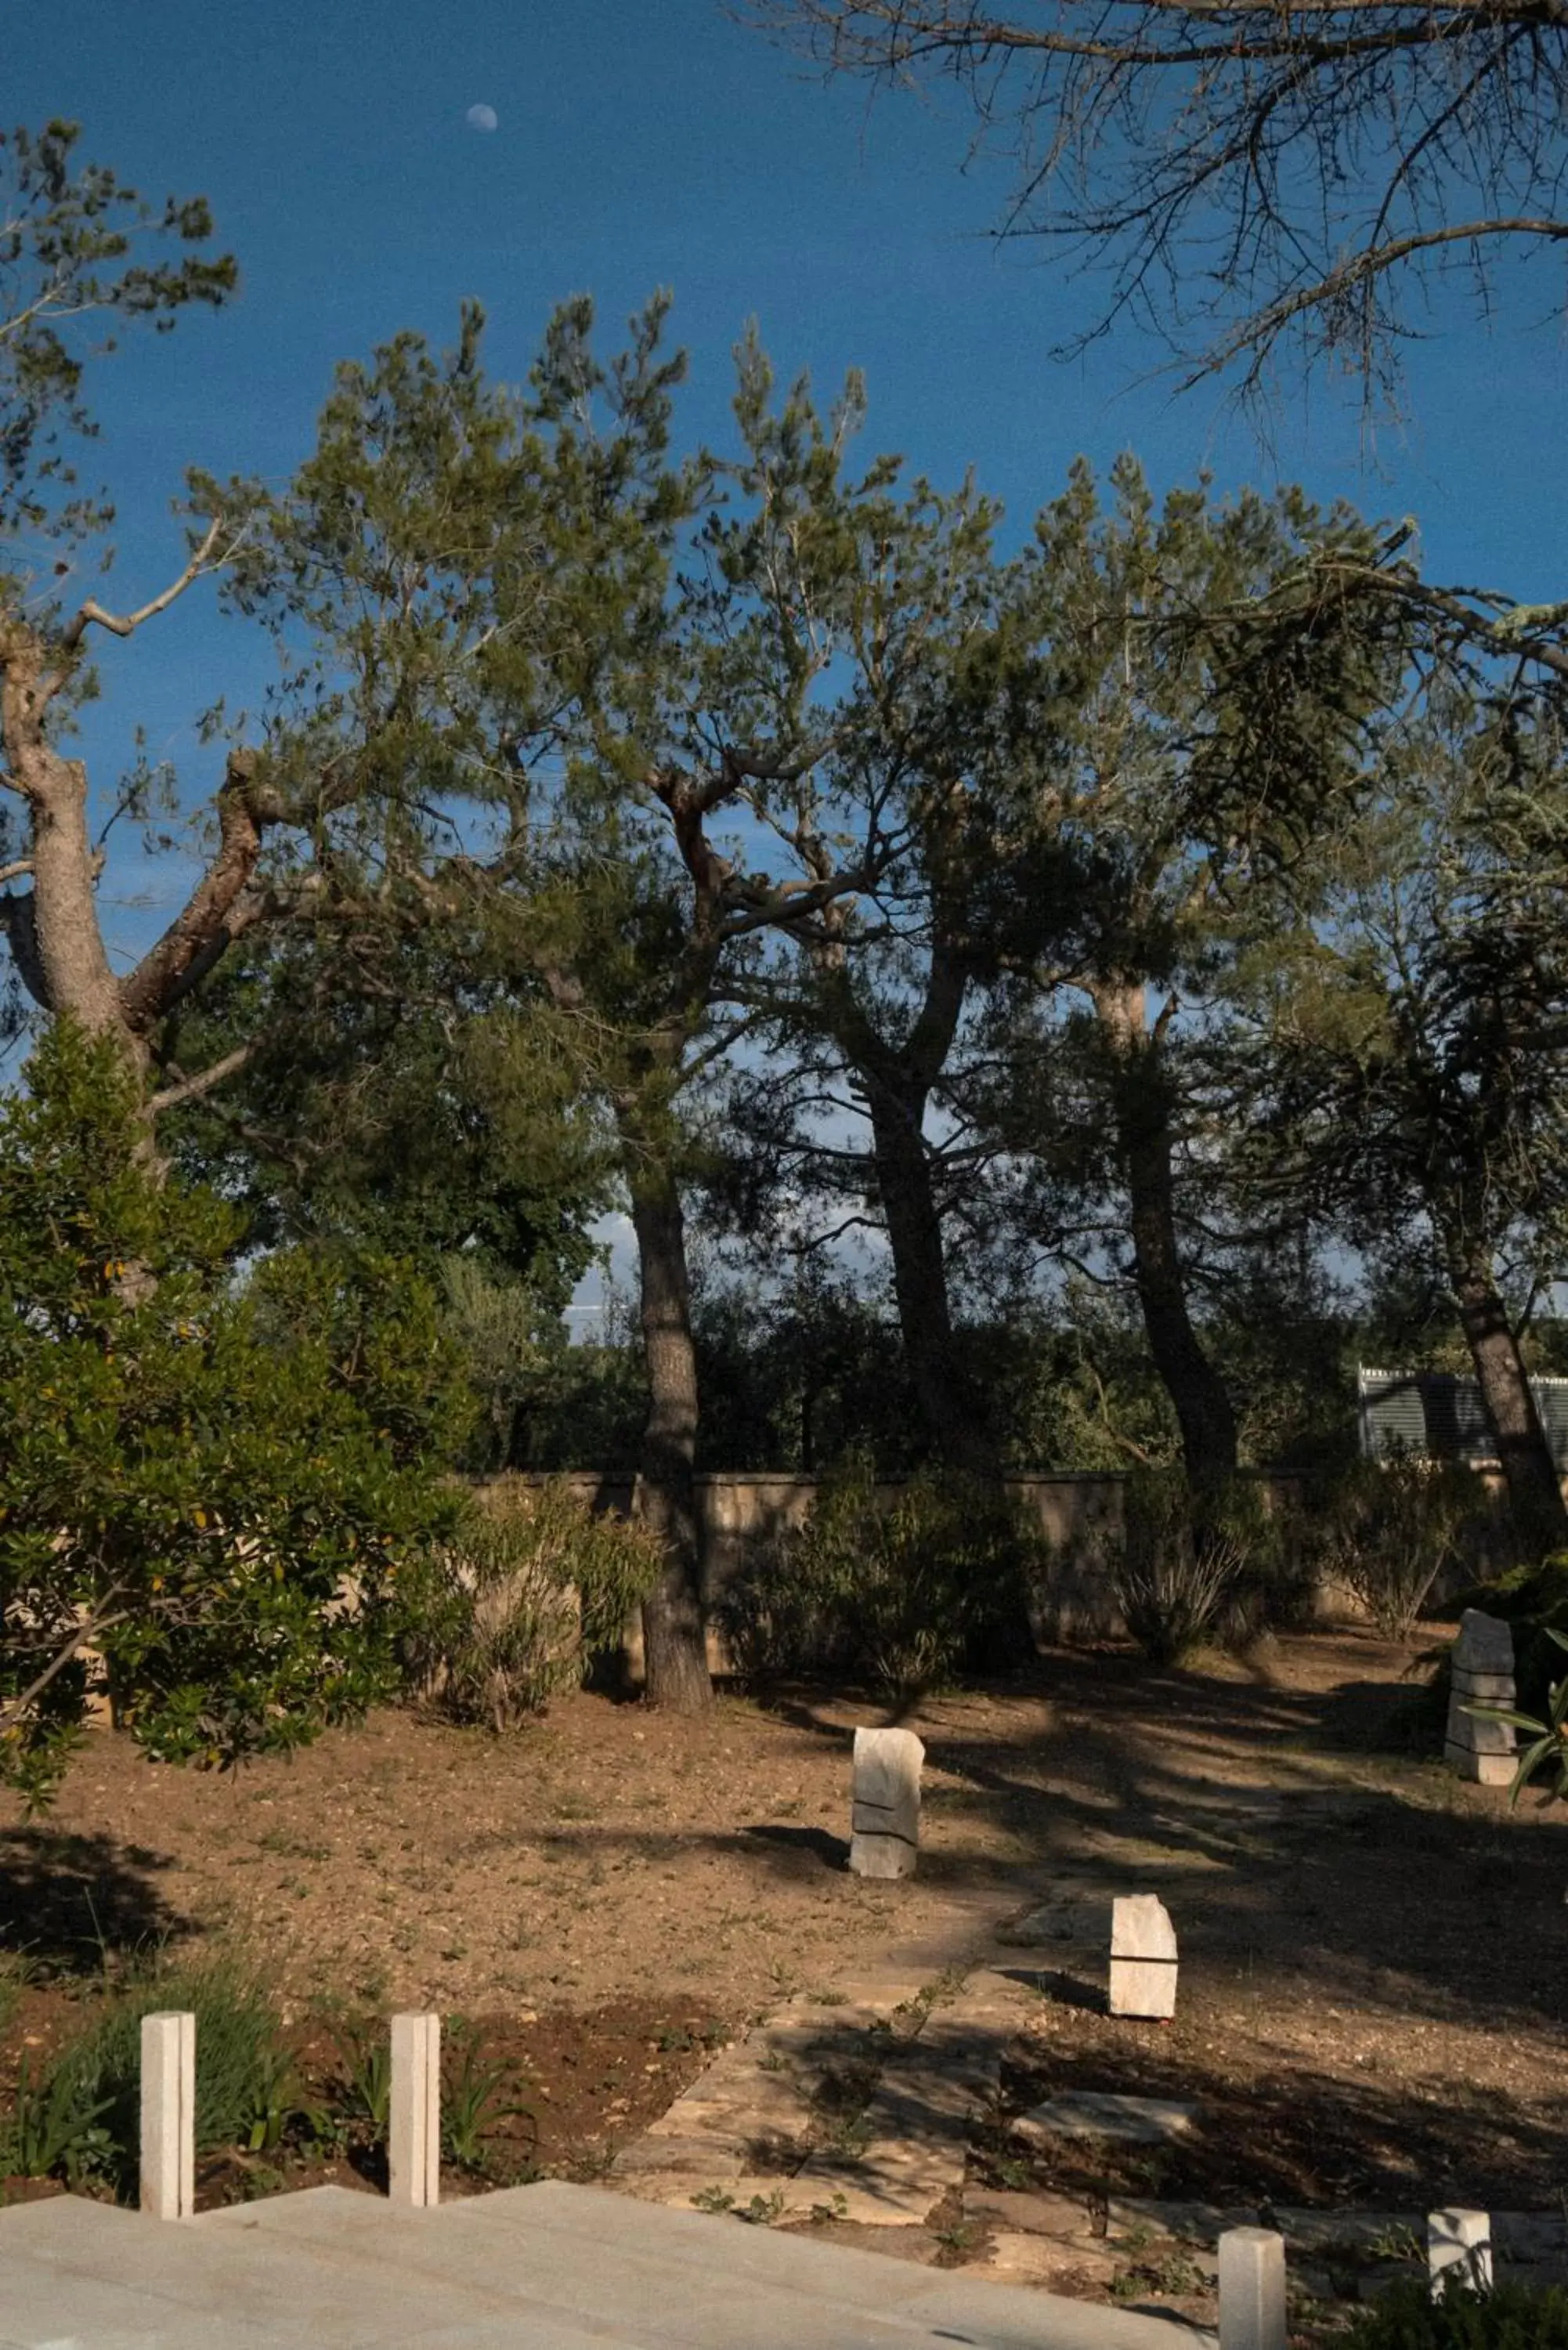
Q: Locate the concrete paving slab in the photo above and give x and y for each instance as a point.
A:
(46, 2307)
(548, 2267)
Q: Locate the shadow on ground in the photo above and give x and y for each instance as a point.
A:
(69, 1903)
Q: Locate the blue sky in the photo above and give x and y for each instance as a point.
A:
(644, 143)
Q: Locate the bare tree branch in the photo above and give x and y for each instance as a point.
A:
(125, 624)
(1259, 171)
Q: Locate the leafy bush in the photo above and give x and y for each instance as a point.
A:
(1513, 2317)
(1388, 1529)
(513, 1609)
(1183, 1570)
(92, 2093)
(904, 1591)
(208, 1490)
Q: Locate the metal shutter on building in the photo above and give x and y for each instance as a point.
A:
(1437, 1415)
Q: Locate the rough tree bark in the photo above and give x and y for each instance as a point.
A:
(1534, 1492)
(674, 1642)
(898, 1079)
(52, 928)
(1140, 1110)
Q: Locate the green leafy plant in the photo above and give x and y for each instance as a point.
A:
(276, 2100)
(210, 1489)
(365, 2052)
(55, 2128)
(515, 1607)
(1549, 1746)
(1175, 1567)
(1511, 2318)
(1389, 1528)
(904, 1590)
(477, 2092)
(240, 2067)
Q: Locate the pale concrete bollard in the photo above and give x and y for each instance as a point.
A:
(413, 2131)
(1252, 2290)
(885, 1804)
(1481, 1673)
(168, 2180)
(1143, 1957)
(1458, 2250)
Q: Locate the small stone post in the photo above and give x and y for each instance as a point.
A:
(1143, 1957)
(413, 2131)
(1252, 2290)
(168, 2180)
(1458, 2252)
(1481, 1669)
(884, 1805)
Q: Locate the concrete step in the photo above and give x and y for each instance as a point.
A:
(547, 2267)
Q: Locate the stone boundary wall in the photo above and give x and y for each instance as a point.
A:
(738, 1510)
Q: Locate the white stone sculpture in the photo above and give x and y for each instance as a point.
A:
(885, 1806)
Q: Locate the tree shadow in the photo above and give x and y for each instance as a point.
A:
(70, 1902)
(831, 1850)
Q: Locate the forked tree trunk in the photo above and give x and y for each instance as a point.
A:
(673, 1633)
(1534, 1490)
(954, 1423)
(1146, 1148)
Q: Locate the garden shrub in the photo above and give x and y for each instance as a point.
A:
(1511, 2318)
(512, 1610)
(1388, 1529)
(904, 1590)
(1186, 1569)
(213, 1485)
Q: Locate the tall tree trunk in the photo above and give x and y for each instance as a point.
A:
(1534, 1491)
(1145, 1147)
(953, 1421)
(674, 1638)
(898, 1078)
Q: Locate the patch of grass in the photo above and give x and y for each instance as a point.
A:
(94, 2087)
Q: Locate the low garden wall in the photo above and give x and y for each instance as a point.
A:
(740, 1511)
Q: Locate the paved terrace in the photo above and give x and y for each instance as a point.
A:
(547, 2267)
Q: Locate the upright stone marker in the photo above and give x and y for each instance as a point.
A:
(413, 2133)
(1458, 2252)
(1252, 2290)
(168, 2180)
(885, 1807)
(1481, 1669)
(1143, 1957)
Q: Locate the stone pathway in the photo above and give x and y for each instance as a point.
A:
(853, 2107)
(850, 2109)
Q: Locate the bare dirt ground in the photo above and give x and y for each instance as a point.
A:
(1372, 1988)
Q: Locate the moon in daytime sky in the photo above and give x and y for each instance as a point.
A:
(482, 118)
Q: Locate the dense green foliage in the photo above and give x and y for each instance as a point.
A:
(517, 1606)
(211, 1485)
(1511, 2318)
(1150, 937)
(900, 1589)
